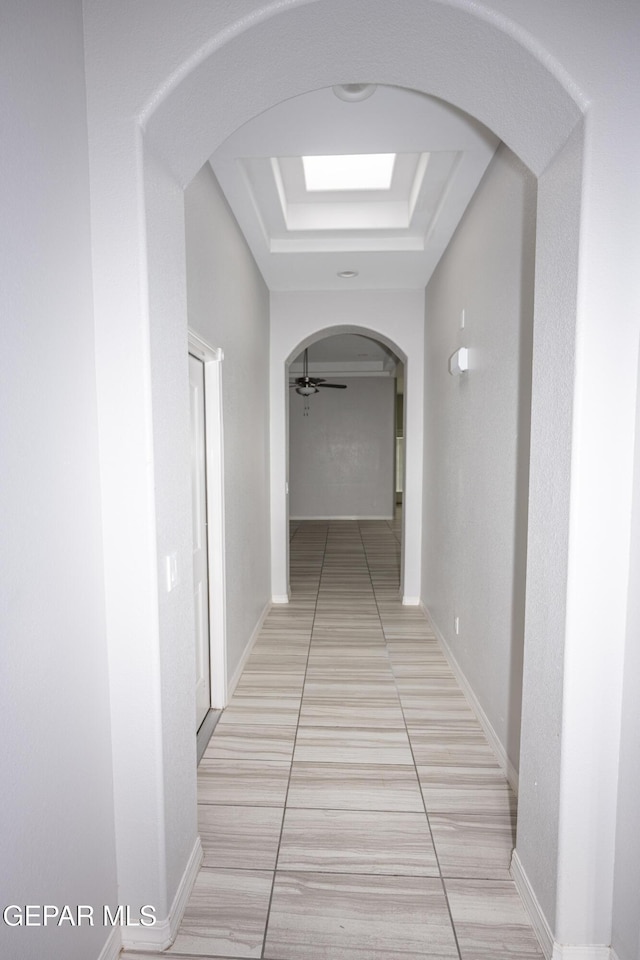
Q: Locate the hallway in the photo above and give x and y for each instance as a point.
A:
(349, 803)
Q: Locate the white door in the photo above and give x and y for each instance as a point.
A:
(200, 554)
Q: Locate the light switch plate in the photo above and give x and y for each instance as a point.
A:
(172, 571)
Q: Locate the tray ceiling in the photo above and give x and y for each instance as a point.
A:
(385, 234)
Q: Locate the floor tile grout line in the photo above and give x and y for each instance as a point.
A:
(293, 806)
(334, 872)
(284, 806)
(426, 812)
(476, 880)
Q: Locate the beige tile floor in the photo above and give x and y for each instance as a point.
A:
(350, 806)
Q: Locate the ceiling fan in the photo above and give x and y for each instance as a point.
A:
(306, 385)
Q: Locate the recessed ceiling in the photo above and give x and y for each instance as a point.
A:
(389, 233)
(343, 218)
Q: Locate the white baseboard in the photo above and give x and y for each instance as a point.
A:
(581, 951)
(280, 598)
(550, 947)
(233, 682)
(113, 946)
(510, 771)
(162, 934)
(411, 602)
(531, 905)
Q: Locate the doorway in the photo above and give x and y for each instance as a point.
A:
(199, 524)
(207, 492)
(342, 448)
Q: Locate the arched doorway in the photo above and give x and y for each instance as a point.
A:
(181, 112)
(404, 338)
(366, 447)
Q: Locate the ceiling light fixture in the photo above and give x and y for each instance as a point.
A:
(347, 274)
(355, 171)
(306, 386)
(353, 92)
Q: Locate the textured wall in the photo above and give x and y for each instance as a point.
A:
(626, 914)
(477, 440)
(56, 791)
(341, 455)
(229, 307)
(542, 753)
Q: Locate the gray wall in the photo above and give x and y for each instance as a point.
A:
(56, 791)
(341, 455)
(626, 913)
(477, 441)
(228, 306)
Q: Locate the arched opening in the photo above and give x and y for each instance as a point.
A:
(370, 432)
(408, 346)
(533, 108)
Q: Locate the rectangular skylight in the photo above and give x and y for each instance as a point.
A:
(360, 171)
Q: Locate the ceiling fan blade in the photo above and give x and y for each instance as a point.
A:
(335, 386)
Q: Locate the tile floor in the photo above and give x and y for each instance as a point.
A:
(350, 807)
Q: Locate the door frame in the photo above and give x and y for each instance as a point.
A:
(212, 358)
(200, 526)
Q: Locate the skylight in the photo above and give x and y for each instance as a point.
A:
(360, 171)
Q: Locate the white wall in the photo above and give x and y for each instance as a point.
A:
(228, 306)
(626, 915)
(56, 791)
(341, 454)
(477, 441)
(542, 751)
(170, 613)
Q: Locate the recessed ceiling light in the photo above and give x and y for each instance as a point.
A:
(358, 171)
(347, 274)
(351, 92)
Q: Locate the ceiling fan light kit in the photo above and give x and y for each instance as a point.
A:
(306, 386)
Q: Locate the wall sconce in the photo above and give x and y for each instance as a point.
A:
(459, 362)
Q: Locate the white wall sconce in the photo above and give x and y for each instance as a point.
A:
(459, 362)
